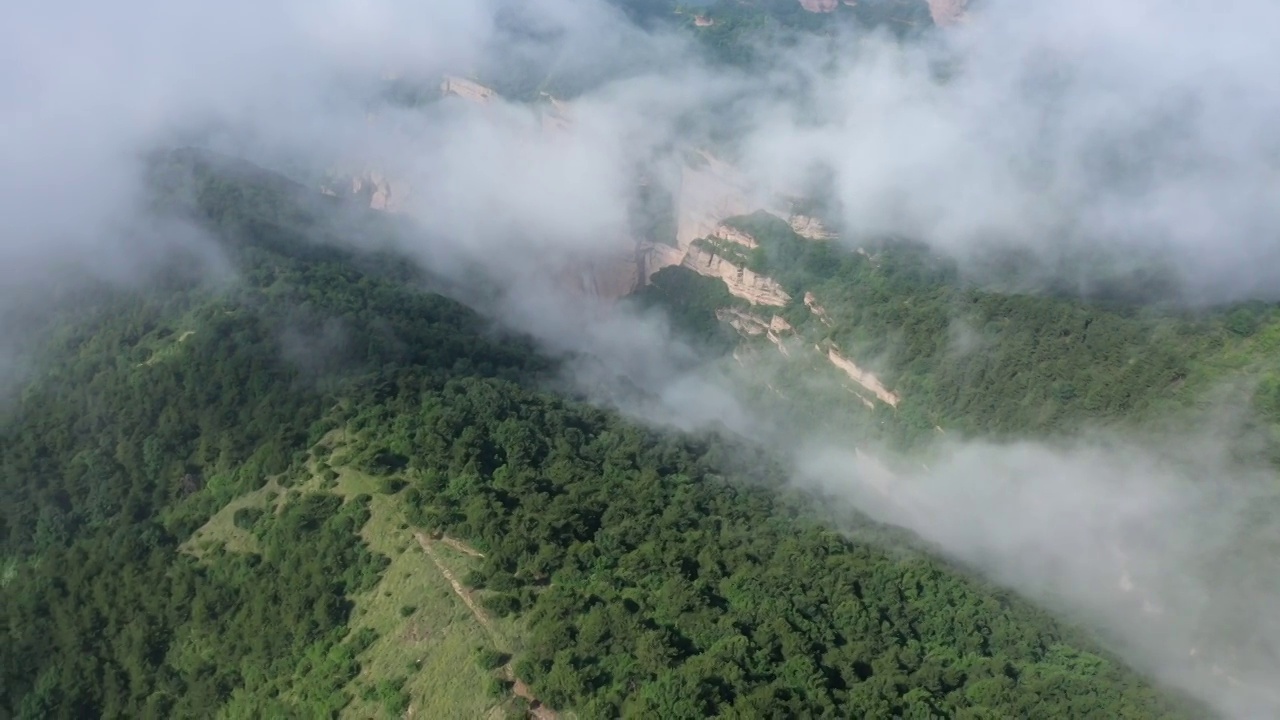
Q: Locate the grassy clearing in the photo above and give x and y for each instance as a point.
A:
(426, 635)
(221, 528)
(432, 646)
(427, 638)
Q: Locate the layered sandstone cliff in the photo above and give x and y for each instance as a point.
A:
(369, 186)
(466, 89)
(752, 287)
(947, 12)
(734, 235)
(707, 196)
(752, 325)
(818, 311)
(810, 228)
(819, 6)
(864, 378)
(710, 191)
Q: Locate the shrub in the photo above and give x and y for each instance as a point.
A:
(489, 658)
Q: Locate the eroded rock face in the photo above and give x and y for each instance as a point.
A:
(710, 192)
(947, 12)
(810, 228)
(752, 287)
(818, 311)
(708, 195)
(604, 279)
(819, 6)
(864, 378)
(656, 256)
(466, 89)
(752, 325)
(369, 186)
(734, 235)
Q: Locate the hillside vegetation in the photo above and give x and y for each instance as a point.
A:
(972, 360)
(208, 487)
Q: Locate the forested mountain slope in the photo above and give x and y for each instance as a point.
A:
(964, 358)
(654, 574)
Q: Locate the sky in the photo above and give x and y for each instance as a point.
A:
(1141, 132)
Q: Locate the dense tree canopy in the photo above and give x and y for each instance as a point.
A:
(659, 574)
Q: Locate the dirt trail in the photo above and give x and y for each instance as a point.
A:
(461, 547)
(429, 548)
(536, 708)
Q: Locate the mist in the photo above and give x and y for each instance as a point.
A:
(1164, 547)
(1139, 131)
(1124, 136)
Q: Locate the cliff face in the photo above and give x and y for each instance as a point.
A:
(734, 235)
(810, 228)
(466, 89)
(819, 6)
(707, 196)
(818, 311)
(862, 377)
(369, 186)
(604, 279)
(710, 192)
(776, 329)
(656, 256)
(947, 12)
(743, 283)
(752, 325)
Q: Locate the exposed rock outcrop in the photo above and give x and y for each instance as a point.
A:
(604, 280)
(754, 288)
(734, 235)
(862, 377)
(711, 191)
(752, 325)
(656, 256)
(819, 6)
(810, 228)
(818, 311)
(948, 12)
(708, 194)
(371, 187)
(466, 89)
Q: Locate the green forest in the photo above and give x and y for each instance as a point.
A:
(976, 361)
(326, 400)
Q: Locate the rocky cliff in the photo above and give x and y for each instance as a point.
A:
(810, 228)
(368, 186)
(710, 191)
(734, 235)
(776, 329)
(947, 12)
(752, 325)
(755, 289)
(819, 6)
(862, 377)
(466, 89)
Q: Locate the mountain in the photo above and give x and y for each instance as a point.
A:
(322, 488)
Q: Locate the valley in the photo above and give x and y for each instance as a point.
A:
(574, 511)
(640, 359)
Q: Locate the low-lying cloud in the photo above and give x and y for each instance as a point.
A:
(1140, 131)
(1064, 128)
(1167, 548)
